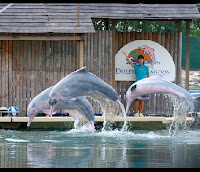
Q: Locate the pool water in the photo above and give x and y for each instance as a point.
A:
(108, 149)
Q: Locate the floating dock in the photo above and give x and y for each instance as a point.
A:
(151, 123)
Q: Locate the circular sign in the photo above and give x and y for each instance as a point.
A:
(156, 57)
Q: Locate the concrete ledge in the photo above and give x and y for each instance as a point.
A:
(5, 119)
(134, 123)
(164, 120)
(42, 119)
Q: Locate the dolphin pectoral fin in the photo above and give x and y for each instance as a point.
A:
(52, 110)
(92, 126)
(48, 112)
(133, 88)
(128, 106)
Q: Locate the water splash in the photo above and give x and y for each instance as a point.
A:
(180, 110)
(78, 118)
(111, 110)
(125, 127)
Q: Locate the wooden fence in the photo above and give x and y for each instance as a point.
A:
(44, 63)
(100, 46)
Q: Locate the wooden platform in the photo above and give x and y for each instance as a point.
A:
(67, 122)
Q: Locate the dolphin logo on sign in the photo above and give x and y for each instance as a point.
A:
(144, 50)
(155, 57)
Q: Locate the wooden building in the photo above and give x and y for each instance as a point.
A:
(40, 43)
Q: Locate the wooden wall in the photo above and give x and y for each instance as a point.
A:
(98, 54)
(33, 55)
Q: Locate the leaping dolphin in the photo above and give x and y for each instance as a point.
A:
(40, 104)
(81, 83)
(155, 85)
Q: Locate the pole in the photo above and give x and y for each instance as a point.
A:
(81, 55)
(187, 58)
(179, 56)
(113, 54)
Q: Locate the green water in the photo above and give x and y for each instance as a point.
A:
(81, 148)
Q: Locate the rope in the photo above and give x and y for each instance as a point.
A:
(20, 77)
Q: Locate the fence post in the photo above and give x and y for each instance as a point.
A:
(81, 54)
(113, 54)
(179, 56)
(187, 58)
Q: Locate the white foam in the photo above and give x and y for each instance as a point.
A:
(17, 140)
(115, 134)
(51, 141)
(130, 135)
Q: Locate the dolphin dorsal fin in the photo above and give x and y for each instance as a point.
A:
(83, 69)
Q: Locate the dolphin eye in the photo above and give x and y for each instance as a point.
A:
(53, 102)
(133, 88)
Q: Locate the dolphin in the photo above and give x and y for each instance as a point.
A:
(81, 83)
(40, 105)
(154, 85)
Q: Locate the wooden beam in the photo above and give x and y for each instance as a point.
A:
(81, 54)
(187, 57)
(50, 38)
(164, 120)
(179, 56)
(78, 15)
(113, 54)
(106, 24)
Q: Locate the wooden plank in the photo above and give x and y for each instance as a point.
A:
(10, 86)
(28, 72)
(175, 53)
(99, 47)
(187, 59)
(81, 54)
(23, 17)
(2, 73)
(114, 50)
(42, 38)
(7, 74)
(78, 14)
(22, 20)
(171, 44)
(1, 58)
(25, 10)
(18, 101)
(20, 89)
(107, 59)
(167, 5)
(179, 57)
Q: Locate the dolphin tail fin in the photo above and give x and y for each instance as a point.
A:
(128, 106)
(92, 126)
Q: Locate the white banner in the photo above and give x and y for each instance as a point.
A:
(156, 57)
